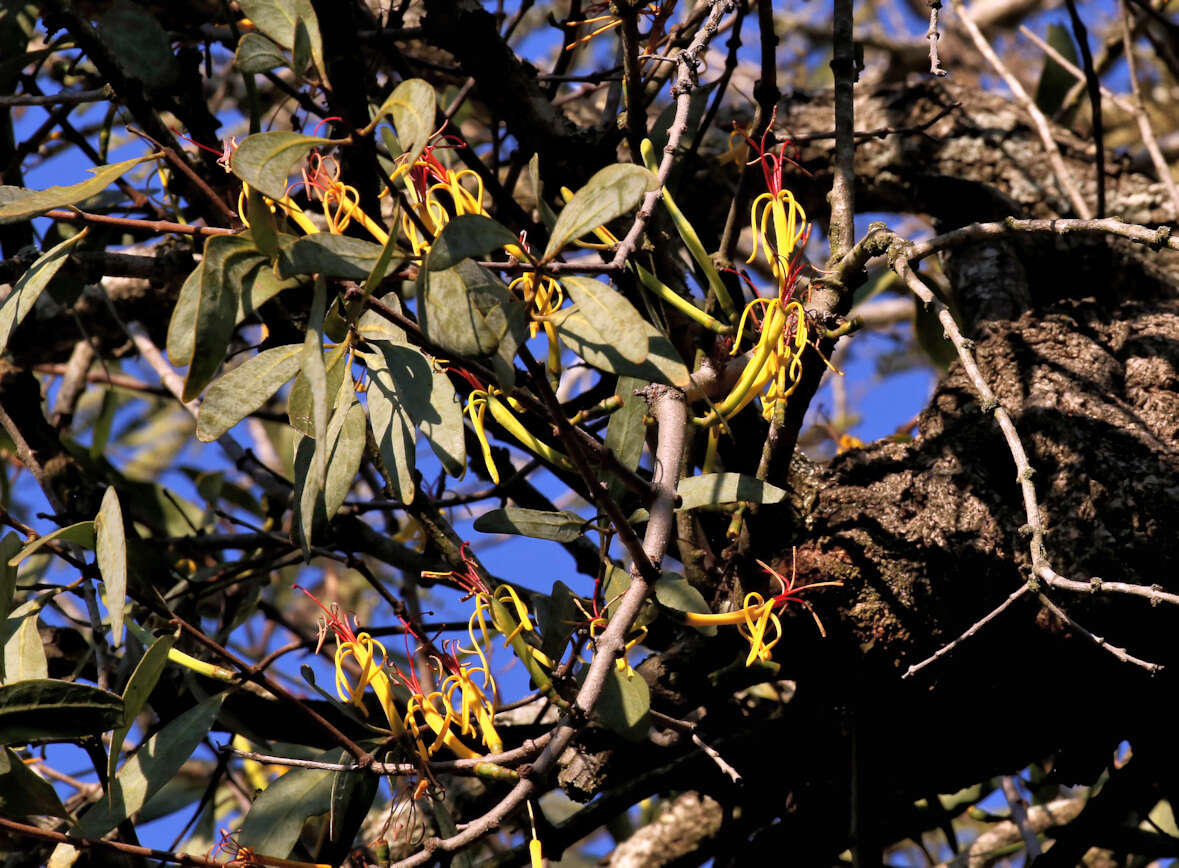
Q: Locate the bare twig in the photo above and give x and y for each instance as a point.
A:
(65, 97)
(39, 834)
(688, 62)
(902, 265)
(1074, 70)
(155, 227)
(1152, 146)
(841, 232)
(73, 383)
(935, 63)
(1118, 652)
(1039, 121)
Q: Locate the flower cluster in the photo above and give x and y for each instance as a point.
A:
(758, 614)
(780, 232)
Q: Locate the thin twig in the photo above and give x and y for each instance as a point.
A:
(37, 833)
(1038, 120)
(968, 632)
(841, 231)
(1074, 70)
(688, 62)
(1152, 146)
(65, 97)
(153, 226)
(935, 63)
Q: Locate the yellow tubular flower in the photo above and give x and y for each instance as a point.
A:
(779, 208)
(476, 702)
(623, 661)
(757, 614)
(363, 649)
(341, 202)
(483, 399)
(535, 853)
(788, 220)
(424, 180)
(288, 205)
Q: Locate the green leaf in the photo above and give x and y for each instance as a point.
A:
(563, 526)
(112, 559)
(234, 261)
(676, 593)
(427, 395)
(352, 798)
(238, 393)
(374, 327)
(281, 20)
(625, 705)
(412, 106)
(616, 583)
(343, 449)
(468, 235)
(265, 161)
(931, 335)
(155, 763)
(312, 367)
(448, 828)
(330, 256)
(81, 534)
(182, 324)
(24, 652)
(273, 824)
(610, 314)
(710, 488)
(300, 407)
(51, 710)
(662, 365)
(9, 546)
(557, 615)
(468, 311)
(255, 53)
(346, 434)
(1056, 81)
(215, 310)
(139, 44)
(626, 432)
(139, 686)
(547, 217)
(24, 793)
(610, 193)
(32, 283)
(29, 203)
(392, 427)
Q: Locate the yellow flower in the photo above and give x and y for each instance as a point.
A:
(341, 202)
(776, 364)
(428, 184)
(779, 211)
(364, 650)
(483, 398)
(757, 614)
